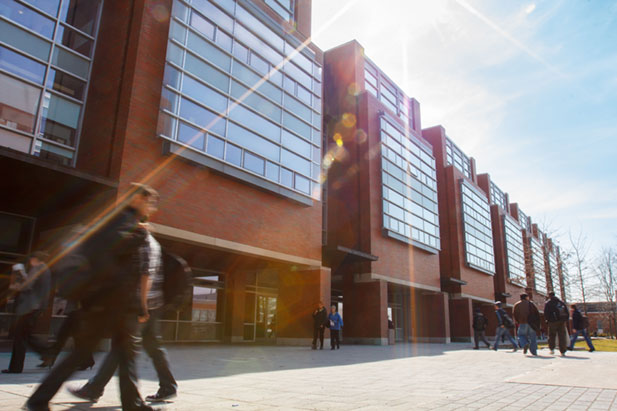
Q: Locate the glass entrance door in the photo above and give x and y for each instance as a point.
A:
(265, 324)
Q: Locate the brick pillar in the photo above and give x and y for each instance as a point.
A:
(436, 325)
(299, 294)
(365, 308)
(460, 320)
(235, 295)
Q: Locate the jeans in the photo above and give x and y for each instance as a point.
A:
(68, 329)
(503, 331)
(480, 336)
(557, 328)
(527, 335)
(167, 383)
(95, 325)
(22, 337)
(574, 337)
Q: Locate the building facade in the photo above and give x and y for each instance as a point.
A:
(382, 236)
(217, 105)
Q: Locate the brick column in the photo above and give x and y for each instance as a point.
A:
(436, 323)
(299, 294)
(460, 320)
(235, 295)
(365, 308)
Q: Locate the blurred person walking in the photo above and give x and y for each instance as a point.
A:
(320, 319)
(580, 324)
(557, 316)
(527, 317)
(503, 328)
(480, 322)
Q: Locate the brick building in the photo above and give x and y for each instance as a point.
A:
(381, 229)
(216, 104)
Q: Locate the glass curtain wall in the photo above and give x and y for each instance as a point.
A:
(46, 51)
(537, 259)
(241, 91)
(479, 252)
(515, 253)
(456, 157)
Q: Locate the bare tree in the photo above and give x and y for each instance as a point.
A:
(606, 272)
(577, 260)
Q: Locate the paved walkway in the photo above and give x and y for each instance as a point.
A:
(404, 377)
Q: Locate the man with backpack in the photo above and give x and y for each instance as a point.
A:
(505, 323)
(580, 323)
(479, 329)
(557, 316)
(527, 317)
(111, 305)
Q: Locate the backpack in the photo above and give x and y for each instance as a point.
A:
(585, 322)
(506, 320)
(177, 277)
(533, 319)
(562, 311)
(72, 276)
(479, 322)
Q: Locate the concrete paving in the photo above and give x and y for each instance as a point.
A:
(405, 377)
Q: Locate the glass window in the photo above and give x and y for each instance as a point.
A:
(66, 84)
(298, 75)
(253, 142)
(70, 62)
(177, 32)
(214, 13)
(241, 53)
(174, 54)
(233, 155)
(251, 79)
(272, 171)
(298, 108)
(256, 102)
(27, 17)
(21, 65)
(18, 104)
(209, 52)
(166, 125)
(223, 40)
(258, 46)
(204, 94)
(48, 6)
(258, 123)
(169, 100)
(202, 25)
(296, 125)
(60, 119)
(537, 258)
(81, 14)
(295, 162)
(478, 229)
(206, 73)
(179, 10)
(254, 163)
(171, 77)
(75, 41)
(280, 10)
(54, 153)
(296, 144)
(22, 40)
(287, 177)
(191, 136)
(259, 64)
(216, 146)
(202, 117)
(258, 27)
(303, 184)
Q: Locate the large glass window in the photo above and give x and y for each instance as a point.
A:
(379, 85)
(515, 253)
(409, 186)
(498, 197)
(524, 220)
(552, 263)
(227, 57)
(283, 8)
(539, 271)
(53, 40)
(478, 231)
(456, 157)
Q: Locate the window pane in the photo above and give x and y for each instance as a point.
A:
(204, 94)
(166, 125)
(202, 25)
(298, 108)
(233, 155)
(255, 101)
(174, 54)
(207, 73)
(272, 171)
(209, 52)
(295, 162)
(177, 32)
(216, 146)
(169, 100)
(241, 53)
(179, 10)
(251, 79)
(80, 14)
(59, 120)
(259, 64)
(223, 40)
(296, 144)
(172, 77)
(70, 62)
(214, 13)
(258, 27)
(296, 125)
(69, 85)
(75, 41)
(254, 163)
(286, 177)
(255, 122)
(202, 117)
(303, 184)
(191, 136)
(21, 65)
(48, 6)
(24, 41)
(253, 142)
(18, 104)
(54, 153)
(27, 17)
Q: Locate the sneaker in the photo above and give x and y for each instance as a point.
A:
(83, 394)
(475, 348)
(552, 351)
(525, 348)
(514, 349)
(563, 354)
(161, 396)
(592, 349)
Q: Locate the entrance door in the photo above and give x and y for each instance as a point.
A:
(265, 325)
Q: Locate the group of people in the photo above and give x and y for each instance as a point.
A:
(527, 319)
(126, 261)
(322, 320)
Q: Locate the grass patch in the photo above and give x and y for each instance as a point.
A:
(600, 344)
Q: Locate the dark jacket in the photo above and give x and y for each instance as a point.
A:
(34, 295)
(551, 311)
(112, 252)
(479, 322)
(500, 313)
(577, 320)
(320, 317)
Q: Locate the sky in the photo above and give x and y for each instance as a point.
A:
(527, 88)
